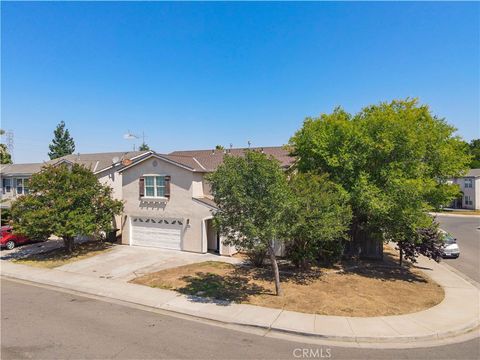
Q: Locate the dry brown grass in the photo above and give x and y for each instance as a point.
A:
(58, 257)
(369, 289)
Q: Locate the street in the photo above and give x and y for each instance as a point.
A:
(465, 230)
(44, 323)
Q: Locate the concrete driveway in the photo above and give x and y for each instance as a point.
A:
(127, 262)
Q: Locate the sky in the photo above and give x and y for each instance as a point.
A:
(194, 75)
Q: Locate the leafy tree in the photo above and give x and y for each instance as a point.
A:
(320, 219)
(475, 152)
(144, 147)
(62, 143)
(65, 201)
(252, 195)
(219, 147)
(394, 160)
(5, 157)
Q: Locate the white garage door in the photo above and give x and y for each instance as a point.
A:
(159, 233)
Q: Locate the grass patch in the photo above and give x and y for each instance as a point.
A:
(378, 288)
(58, 257)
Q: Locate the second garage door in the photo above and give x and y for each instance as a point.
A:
(166, 234)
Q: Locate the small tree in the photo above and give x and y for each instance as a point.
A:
(252, 195)
(427, 242)
(5, 157)
(66, 201)
(62, 143)
(144, 147)
(319, 220)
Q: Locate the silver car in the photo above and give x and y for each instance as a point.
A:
(451, 248)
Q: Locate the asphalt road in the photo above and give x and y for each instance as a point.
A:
(41, 323)
(465, 229)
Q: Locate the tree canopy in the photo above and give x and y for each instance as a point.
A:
(66, 201)
(62, 143)
(393, 159)
(252, 195)
(474, 147)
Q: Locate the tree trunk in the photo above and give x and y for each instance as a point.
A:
(273, 261)
(68, 242)
(401, 256)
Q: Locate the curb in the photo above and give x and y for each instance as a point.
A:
(271, 329)
(385, 341)
(456, 215)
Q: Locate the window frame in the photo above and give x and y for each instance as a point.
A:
(155, 186)
(5, 186)
(468, 183)
(24, 186)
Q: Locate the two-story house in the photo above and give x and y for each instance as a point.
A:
(470, 190)
(168, 203)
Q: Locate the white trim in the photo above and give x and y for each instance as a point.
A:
(157, 156)
(120, 161)
(204, 234)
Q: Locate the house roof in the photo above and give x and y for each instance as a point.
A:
(209, 160)
(206, 200)
(473, 173)
(20, 169)
(97, 162)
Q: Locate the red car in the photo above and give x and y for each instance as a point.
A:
(9, 239)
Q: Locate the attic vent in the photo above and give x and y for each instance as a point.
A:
(155, 163)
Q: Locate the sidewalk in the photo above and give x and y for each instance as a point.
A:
(458, 313)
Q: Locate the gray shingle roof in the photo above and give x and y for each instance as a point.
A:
(20, 169)
(474, 173)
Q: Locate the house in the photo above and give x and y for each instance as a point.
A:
(167, 201)
(470, 191)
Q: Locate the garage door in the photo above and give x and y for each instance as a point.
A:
(159, 233)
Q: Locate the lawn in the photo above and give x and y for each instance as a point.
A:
(369, 289)
(58, 257)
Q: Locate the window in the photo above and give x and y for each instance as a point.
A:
(155, 186)
(468, 183)
(6, 185)
(468, 200)
(22, 186)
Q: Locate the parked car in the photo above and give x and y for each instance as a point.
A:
(451, 248)
(9, 240)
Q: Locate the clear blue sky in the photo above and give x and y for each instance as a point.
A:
(193, 75)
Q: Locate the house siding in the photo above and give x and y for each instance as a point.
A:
(180, 205)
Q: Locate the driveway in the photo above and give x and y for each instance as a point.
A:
(127, 262)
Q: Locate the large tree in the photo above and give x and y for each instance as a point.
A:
(62, 143)
(252, 195)
(394, 160)
(319, 220)
(66, 201)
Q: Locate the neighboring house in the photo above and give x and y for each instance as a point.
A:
(15, 177)
(470, 190)
(168, 203)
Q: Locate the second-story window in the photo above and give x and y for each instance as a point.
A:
(155, 186)
(468, 183)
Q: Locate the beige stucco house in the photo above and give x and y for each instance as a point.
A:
(168, 203)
